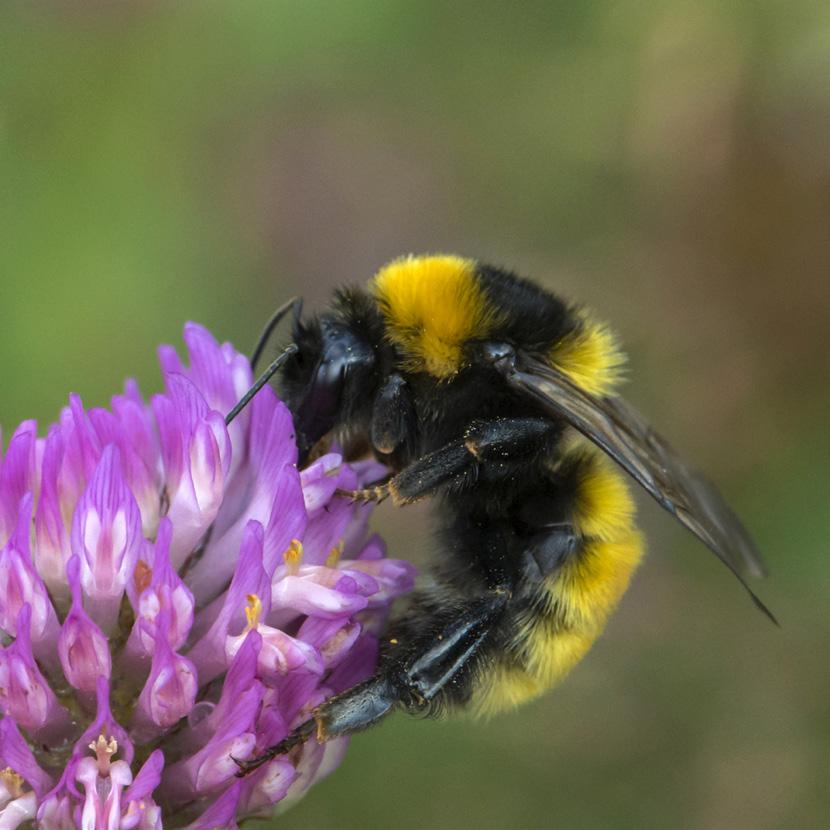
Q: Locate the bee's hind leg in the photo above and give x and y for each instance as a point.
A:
(416, 670)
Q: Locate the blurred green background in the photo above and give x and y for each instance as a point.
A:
(668, 163)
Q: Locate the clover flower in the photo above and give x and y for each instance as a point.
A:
(175, 593)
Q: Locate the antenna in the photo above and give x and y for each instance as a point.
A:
(292, 348)
(265, 335)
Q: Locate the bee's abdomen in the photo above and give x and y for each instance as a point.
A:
(555, 627)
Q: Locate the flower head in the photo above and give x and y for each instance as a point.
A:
(174, 593)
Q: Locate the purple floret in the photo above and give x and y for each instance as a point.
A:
(175, 593)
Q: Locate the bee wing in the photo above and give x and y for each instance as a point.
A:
(648, 458)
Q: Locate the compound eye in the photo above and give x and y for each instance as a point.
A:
(346, 363)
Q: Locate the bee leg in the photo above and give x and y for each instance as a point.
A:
(497, 444)
(394, 422)
(505, 439)
(377, 493)
(493, 448)
(437, 663)
(412, 673)
(300, 734)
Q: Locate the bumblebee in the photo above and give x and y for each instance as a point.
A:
(478, 387)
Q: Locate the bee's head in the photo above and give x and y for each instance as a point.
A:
(329, 378)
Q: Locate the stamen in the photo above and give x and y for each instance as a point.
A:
(334, 555)
(253, 611)
(104, 750)
(142, 576)
(13, 782)
(294, 556)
